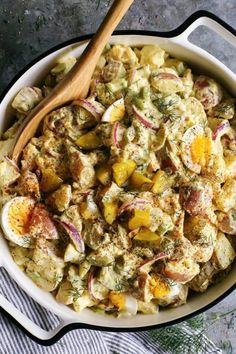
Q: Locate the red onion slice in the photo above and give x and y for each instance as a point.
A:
(223, 129)
(73, 233)
(135, 202)
(90, 107)
(158, 257)
(132, 233)
(144, 120)
(133, 73)
(115, 134)
(90, 285)
(85, 193)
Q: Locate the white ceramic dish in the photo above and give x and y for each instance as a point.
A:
(177, 43)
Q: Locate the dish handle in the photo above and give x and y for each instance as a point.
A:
(34, 331)
(205, 18)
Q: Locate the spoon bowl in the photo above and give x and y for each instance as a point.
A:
(76, 83)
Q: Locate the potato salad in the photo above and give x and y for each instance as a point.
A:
(125, 201)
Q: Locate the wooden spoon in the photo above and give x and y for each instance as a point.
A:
(76, 82)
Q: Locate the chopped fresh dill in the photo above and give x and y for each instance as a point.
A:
(76, 293)
(223, 107)
(58, 278)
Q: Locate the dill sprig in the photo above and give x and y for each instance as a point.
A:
(180, 339)
(224, 107)
(226, 346)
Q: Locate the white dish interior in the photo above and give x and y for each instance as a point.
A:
(196, 58)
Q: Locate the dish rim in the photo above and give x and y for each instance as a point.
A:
(71, 326)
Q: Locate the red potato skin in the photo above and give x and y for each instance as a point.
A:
(76, 166)
(225, 225)
(202, 84)
(41, 224)
(29, 185)
(207, 91)
(101, 191)
(142, 280)
(168, 76)
(195, 200)
(180, 277)
(79, 170)
(111, 70)
(138, 291)
(168, 166)
(189, 200)
(227, 222)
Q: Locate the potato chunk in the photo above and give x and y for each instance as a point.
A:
(81, 169)
(161, 182)
(89, 141)
(147, 307)
(140, 218)
(26, 99)
(202, 235)
(72, 255)
(29, 185)
(122, 171)
(8, 174)
(41, 223)
(226, 200)
(61, 198)
(49, 181)
(207, 91)
(152, 55)
(224, 253)
(110, 211)
(109, 202)
(103, 174)
(202, 280)
(65, 293)
(83, 301)
(140, 182)
(227, 222)
(196, 197)
(89, 209)
(45, 270)
(167, 83)
(182, 270)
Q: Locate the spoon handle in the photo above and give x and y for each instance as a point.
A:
(76, 83)
(84, 68)
(101, 37)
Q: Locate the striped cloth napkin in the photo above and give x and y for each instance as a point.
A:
(81, 341)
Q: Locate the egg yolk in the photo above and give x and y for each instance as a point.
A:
(117, 299)
(158, 287)
(19, 216)
(147, 235)
(117, 112)
(201, 150)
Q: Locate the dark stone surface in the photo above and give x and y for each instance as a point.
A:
(29, 27)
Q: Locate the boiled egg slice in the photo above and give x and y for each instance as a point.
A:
(115, 112)
(15, 218)
(196, 148)
(124, 302)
